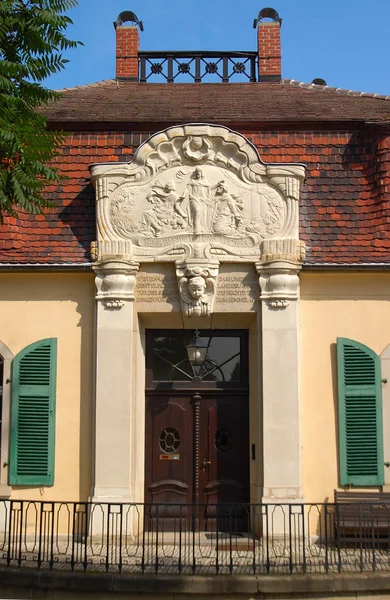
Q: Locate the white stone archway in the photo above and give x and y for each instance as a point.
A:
(197, 198)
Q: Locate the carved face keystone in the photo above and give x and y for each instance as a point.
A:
(196, 287)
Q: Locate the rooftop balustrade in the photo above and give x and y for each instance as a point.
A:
(197, 67)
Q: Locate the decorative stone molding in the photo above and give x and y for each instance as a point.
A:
(279, 283)
(198, 192)
(114, 248)
(281, 303)
(197, 288)
(285, 249)
(93, 251)
(115, 281)
(102, 188)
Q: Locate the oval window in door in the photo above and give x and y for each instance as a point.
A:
(169, 440)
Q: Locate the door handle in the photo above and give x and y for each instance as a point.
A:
(205, 464)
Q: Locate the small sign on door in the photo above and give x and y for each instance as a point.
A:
(169, 456)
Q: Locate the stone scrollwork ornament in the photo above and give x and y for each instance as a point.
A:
(278, 303)
(197, 148)
(115, 281)
(197, 290)
(279, 283)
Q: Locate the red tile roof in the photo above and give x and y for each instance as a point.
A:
(345, 203)
(288, 101)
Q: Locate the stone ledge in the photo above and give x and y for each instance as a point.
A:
(23, 583)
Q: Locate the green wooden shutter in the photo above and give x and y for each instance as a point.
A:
(360, 414)
(33, 414)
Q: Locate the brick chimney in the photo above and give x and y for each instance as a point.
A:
(127, 46)
(268, 44)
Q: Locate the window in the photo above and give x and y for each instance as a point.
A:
(33, 414)
(360, 414)
(225, 360)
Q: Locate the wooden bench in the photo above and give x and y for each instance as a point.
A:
(361, 515)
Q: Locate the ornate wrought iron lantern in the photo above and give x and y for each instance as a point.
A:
(196, 352)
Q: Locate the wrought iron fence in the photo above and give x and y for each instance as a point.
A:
(197, 66)
(195, 539)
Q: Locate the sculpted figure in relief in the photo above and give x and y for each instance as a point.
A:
(197, 207)
(196, 291)
(228, 209)
(202, 208)
(212, 211)
(199, 201)
(166, 211)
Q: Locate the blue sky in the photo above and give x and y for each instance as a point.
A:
(345, 42)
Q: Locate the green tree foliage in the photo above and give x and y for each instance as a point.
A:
(32, 40)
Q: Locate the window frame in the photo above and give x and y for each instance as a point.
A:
(8, 356)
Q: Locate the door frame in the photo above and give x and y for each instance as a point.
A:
(194, 389)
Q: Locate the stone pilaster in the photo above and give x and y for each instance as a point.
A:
(115, 283)
(279, 283)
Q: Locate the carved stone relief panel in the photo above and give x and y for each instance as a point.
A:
(198, 196)
(196, 192)
(195, 213)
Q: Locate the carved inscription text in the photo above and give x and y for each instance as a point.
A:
(236, 289)
(156, 288)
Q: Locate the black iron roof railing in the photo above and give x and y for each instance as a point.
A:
(197, 66)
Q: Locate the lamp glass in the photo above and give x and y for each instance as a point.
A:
(196, 352)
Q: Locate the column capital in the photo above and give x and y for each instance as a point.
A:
(115, 280)
(279, 282)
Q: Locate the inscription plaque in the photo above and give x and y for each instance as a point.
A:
(236, 291)
(157, 288)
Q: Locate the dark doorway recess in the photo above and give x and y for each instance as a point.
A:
(197, 430)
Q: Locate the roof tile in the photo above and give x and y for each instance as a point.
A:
(114, 101)
(345, 212)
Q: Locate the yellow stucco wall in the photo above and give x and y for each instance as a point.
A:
(355, 306)
(36, 306)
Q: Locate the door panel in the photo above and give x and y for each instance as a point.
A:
(168, 456)
(225, 447)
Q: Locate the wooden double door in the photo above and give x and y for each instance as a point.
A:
(197, 446)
